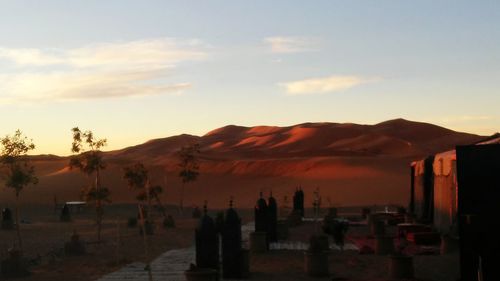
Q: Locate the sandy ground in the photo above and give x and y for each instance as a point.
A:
(44, 235)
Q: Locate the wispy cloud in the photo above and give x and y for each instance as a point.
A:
(289, 45)
(323, 84)
(106, 70)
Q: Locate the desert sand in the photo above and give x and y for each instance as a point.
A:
(350, 164)
(44, 237)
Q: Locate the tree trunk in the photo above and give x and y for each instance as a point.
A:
(17, 223)
(98, 206)
(148, 196)
(181, 202)
(162, 209)
(146, 244)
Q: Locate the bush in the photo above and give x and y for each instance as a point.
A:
(132, 222)
(169, 222)
(149, 226)
(14, 265)
(75, 247)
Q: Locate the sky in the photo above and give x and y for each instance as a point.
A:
(131, 71)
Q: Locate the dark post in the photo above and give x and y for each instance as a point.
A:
(260, 212)
(301, 202)
(7, 220)
(295, 217)
(231, 245)
(298, 201)
(207, 243)
(272, 211)
(412, 190)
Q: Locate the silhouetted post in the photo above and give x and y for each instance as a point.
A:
(272, 217)
(295, 217)
(231, 244)
(260, 212)
(259, 238)
(301, 202)
(298, 201)
(7, 219)
(207, 242)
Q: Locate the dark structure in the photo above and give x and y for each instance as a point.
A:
(65, 214)
(260, 215)
(232, 261)
(298, 201)
(478, 168)
(7, 219)
(207, 243)
(428, 211)
(422, 190)
(272, 219)
(219, 222)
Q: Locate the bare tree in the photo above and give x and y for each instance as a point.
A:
(137, 177)
(17, 171)
(189, 168)
(88, 159)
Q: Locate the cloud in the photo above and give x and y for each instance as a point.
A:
(290, 45)
(29, 56)
(105, 70)
(323, 85)
(69, 86)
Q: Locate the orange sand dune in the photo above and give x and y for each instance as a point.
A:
(350, 163)
(263, 130)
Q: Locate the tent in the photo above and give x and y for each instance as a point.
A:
(445, 192)
(434, 188)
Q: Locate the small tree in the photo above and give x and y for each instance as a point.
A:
(188, 164)
(137, 177)
(17, 171)
(88, 159)
(154, 192)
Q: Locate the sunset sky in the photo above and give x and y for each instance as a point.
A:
(136, 70)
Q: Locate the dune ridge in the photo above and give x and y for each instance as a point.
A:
(352, 163)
